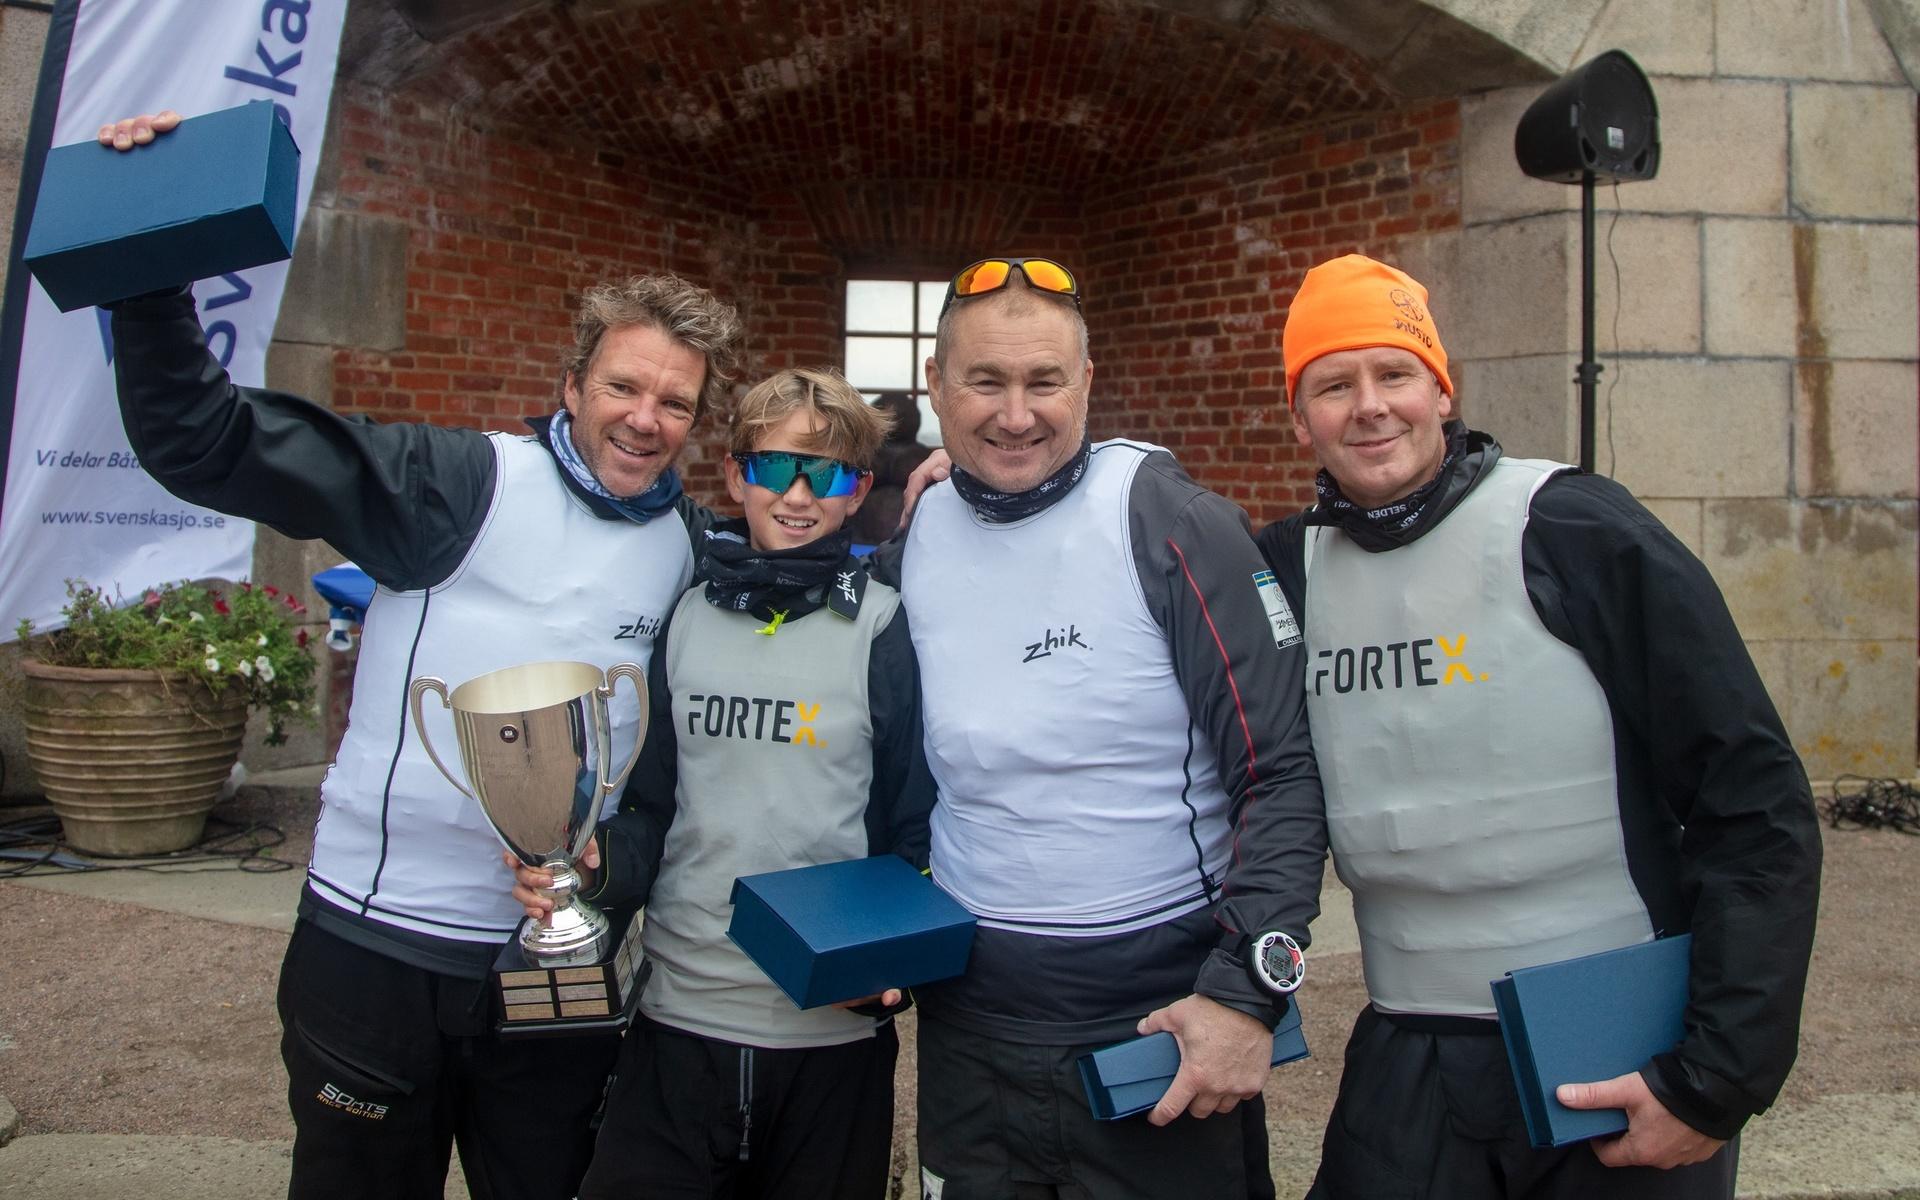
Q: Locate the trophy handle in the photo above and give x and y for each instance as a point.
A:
(605, 693)
(421, 686)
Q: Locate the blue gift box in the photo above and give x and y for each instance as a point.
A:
(844, 930)
(1587, 1019)
(1131, 1077)
(213, 196)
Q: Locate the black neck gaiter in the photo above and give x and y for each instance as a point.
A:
(1002, 508)
(1469, 455)
(770, 582)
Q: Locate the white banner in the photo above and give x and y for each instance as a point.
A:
(77, 504)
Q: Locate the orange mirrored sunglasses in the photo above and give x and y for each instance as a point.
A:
(991, 274)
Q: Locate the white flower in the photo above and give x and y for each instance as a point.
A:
(261, 641)
(210, 650)
(245, 667)
(265, 667)
(213, 664)
(163, 619)
(194, 616)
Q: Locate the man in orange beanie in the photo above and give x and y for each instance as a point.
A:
(1540, 736)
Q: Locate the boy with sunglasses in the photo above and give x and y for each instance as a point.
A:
(785, 732)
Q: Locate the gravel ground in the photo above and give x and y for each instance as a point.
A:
(119, 1019)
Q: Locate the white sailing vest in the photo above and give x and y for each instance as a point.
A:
(775, 764)
(545, 579)
(1076, 797)
(1467, 758)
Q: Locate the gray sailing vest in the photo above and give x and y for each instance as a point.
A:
(1467, 759)
(775, 761)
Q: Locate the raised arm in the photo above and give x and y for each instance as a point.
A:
(402, 501)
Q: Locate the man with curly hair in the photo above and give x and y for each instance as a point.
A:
(571, 541)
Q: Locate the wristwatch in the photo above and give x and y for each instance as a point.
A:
(1275, 962)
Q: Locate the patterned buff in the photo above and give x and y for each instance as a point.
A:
(640, 509)
(1469, 455)
(770, 584)
(1002, 508)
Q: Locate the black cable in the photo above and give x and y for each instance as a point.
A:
(1619, 302)
(39, 6)
(19, 836)
(1875, 804)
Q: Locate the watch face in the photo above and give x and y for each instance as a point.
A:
(1280, 961)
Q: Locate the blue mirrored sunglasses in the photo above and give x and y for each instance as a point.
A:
(776, 470)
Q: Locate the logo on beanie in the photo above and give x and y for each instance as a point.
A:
(1404, 301)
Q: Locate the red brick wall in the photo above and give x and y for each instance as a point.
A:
(504, 234)
(1191, 268)
(1188, 266)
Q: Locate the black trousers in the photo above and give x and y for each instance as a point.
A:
(1007, 1121)
(389, 1066)
(697, 1118)
(1435, 1116)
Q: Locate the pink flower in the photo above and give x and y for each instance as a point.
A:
(220, 606)
(300, 639)
(271, 590)
(151, 599)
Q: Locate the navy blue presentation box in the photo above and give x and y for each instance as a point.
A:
(1589, 1019)
(1131, 1077)
(846, 930)
(213, 196)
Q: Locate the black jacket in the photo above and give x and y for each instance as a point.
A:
(1715, 811)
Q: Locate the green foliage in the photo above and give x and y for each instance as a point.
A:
(248, 638)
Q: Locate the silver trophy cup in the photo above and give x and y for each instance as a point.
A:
(535, 742)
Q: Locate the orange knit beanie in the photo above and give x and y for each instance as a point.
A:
(1353, 302)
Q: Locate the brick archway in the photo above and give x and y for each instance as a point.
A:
(1190, 157)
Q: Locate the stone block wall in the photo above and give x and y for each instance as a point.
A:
(1757, 321)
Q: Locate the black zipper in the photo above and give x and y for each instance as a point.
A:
(746, 1102)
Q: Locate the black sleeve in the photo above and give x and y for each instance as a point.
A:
(403, 501)
(888, 560)
(633, 840)
(698, 518)
(1708, 781)
(1199, 570)
(900, 799)
(1282, 545)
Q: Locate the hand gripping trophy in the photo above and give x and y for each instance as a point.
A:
(536, 746)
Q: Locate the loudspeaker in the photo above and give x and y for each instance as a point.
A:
(1599, 118)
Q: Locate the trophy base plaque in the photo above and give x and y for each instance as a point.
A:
(538, 1001)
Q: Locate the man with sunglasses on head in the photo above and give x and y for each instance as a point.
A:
(1128, 799)
(1542, 738)
(570, 542)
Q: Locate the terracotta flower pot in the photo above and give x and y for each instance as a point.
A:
(132, 761)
